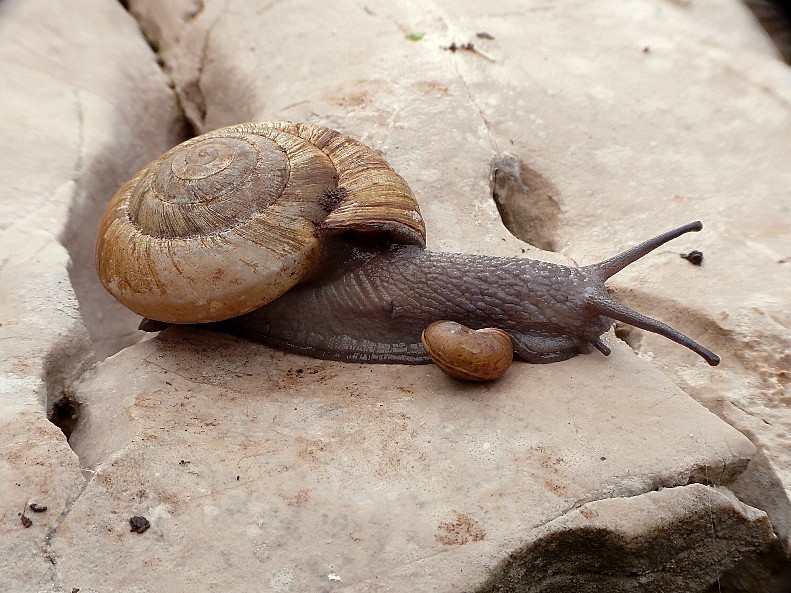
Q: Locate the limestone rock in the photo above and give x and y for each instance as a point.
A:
(273, 466)
(80, 108)
(619, 122)
(639, 544)
(261, 469)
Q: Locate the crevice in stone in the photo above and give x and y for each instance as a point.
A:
(46, 547)
(186, 87)
(632, 336)
(110, 325)
(526, 201)
(150, 39)
(66, 362)
(194, 90)
(434, 9)
(198, 97)
(65, 414)
(153, 40)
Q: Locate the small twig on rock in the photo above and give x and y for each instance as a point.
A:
(468, 46)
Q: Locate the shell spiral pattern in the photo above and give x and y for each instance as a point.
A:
(228, 221)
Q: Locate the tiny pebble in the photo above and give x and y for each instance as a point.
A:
(693, 257)
(139, 524)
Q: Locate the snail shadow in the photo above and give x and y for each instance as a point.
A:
(111, 326)
(239, 364)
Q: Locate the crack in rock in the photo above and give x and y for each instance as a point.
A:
(52, 531)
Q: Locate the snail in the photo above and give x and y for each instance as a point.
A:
(302, 238)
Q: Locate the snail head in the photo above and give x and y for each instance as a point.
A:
(599, 302)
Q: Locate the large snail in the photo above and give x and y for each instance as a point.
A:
(305, 239)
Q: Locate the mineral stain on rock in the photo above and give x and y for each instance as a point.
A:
(461, 530)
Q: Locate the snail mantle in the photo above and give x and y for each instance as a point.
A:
(300, 237)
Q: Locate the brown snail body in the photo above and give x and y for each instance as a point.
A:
(326, 256)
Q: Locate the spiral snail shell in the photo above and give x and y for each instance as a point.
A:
(300, 237)
(228, 221)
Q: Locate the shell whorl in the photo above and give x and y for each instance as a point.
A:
(228, 221)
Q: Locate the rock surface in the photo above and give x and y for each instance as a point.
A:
(661, 120)
(364, 471)
(309, 475)
(71, 134)
(611, 545)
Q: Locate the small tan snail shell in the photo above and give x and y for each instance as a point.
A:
(473, 355)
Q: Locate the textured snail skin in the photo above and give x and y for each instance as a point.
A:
(375, 305)
(376, 311)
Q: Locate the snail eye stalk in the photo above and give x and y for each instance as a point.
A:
(602, 304)
(610, 267)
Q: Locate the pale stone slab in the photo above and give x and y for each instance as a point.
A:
(290, 473)
(281, 469)
(628, 119)
(79, 108)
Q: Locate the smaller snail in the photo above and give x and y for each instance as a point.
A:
(469, 354)
(305, 239)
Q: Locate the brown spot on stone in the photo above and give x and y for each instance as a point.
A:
(588, 513)
(431, 88)
(299, 499)
(358, 93)
(461, 530)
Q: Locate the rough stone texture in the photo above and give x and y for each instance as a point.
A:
(264, 470)
(70, 135)
(622, 543)
(422, 483)
(639, 118)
